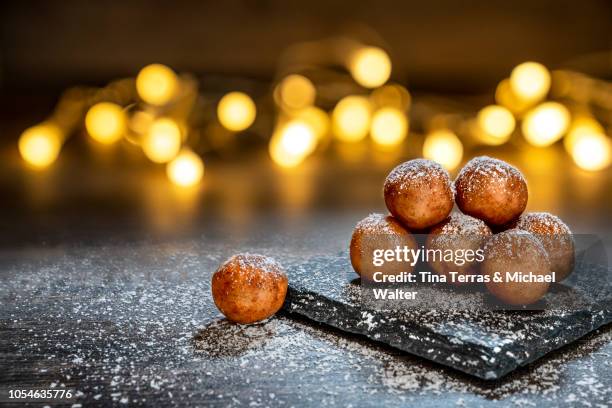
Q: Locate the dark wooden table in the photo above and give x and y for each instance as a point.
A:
(105, 271)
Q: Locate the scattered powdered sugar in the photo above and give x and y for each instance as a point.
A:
(137, 325)
(494, 171)
(490, 166)
(461, 224)
(458, 231)
(282, 347)
(249, 262)
(417, 172)
(375, 223)
(514, 243)
(543, 223)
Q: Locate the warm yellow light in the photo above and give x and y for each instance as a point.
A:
(505, 97)
(292, 143)
(105, 122)
(370, 67)
(545, 124)
(298, 138)
(389, 127)
(391, 96)
(592, 151)
(140, 122)
(296, 92)
(186, 169)
(236, 111)
(496, 124)
(317, 118)
(530, 81)
(580, 124)
(282, 157)
(444, 147)
(351, 118)
(40, 145)
(163, 140)
(156, 84)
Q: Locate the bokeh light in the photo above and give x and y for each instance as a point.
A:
(186, 169)
(530, 81)
(389, 127)
(298, 138)
(505, 97)
(496, 125)
(236, 111)
(444, 147)
(317, 118)
(391, 96)
(370, 67)
(351, 118)
(40, 145)
(592, 151)
(295, 92)
(105, 122)
(140, 121)
(163, 140)
(292, 143)
(157, 84)
(545, 124)
(580, 124)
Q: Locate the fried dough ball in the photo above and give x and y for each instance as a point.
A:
(419, 193)
(459, 232)
(248, 288)
(512, 251)
(491, 190)
(378, 232)
(556, 237)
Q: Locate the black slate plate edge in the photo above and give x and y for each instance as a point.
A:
(311, 305)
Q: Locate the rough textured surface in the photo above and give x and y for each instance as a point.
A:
(486, 344)
(104, 287)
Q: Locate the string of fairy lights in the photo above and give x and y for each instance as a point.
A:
(154, 111)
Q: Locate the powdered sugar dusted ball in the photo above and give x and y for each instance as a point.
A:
(459, 232)
(513, 251)
(419, 193)
(492, 190)
(248, 288)
(378, 232)
(556, 237)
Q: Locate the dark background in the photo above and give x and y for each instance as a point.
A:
(436, 45)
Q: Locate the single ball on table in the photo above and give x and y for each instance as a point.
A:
(458, 232)
(512, 251)
(248, 288)
(491, 190)
(555, 236)
(419, 193)
(379, 232)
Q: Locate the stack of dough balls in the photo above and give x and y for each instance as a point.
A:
(491, 196)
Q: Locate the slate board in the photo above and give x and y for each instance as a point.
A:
(485, 344)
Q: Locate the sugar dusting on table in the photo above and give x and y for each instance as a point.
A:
(149, 333)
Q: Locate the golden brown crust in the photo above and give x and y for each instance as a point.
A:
(555, 236)
(457, 232)
(515, 251)
(419, 193)
(248, 288)
(491, 190)
(378, 231)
